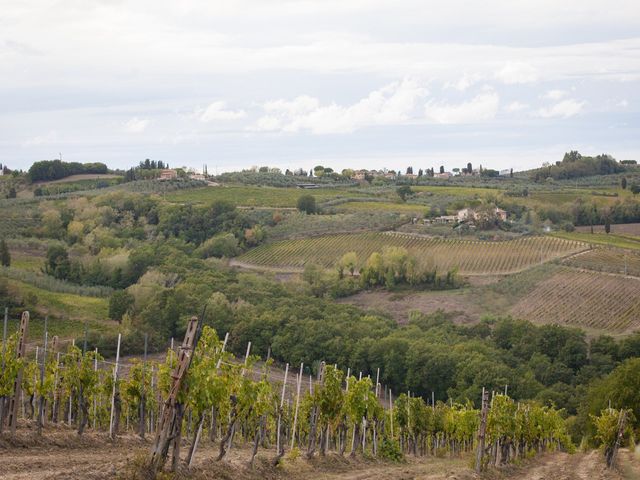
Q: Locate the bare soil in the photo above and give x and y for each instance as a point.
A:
(83, 176)
(61, 454)
(400, 305)
(619, 229)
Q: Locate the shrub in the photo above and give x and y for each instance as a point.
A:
(390, 450)
(119, 303)
(223, 245)
(307, 204)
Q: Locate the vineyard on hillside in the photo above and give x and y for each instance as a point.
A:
(584, 299)
(201, 391)
(17, 221)
(470, 257)
(607, 260)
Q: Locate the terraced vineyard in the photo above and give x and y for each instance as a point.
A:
(470, 257)
(15, 221)
(607, 260)
(584, 299)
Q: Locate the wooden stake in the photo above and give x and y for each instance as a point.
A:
(224, 345)
(95, 399)
(113, 393)
(284, 386)
(246, 357)
(44, 361)
(482, 430)
(17, 386)
(295, 415)
(170, 425)
(4, 350)
(391, 410)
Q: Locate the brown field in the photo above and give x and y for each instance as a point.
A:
(61, 454)
(83, 176)
(590, 300)
(619, 229)
(399, 306)
(607, 260)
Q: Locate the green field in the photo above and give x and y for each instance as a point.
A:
(470, 257)
(250, 196)
(68, 311)
(457, 191)
(393, 207)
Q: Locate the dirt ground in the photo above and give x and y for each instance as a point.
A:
(399, 305)
(61, 454)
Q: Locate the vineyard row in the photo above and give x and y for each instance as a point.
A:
(202, 389)
(445, 254)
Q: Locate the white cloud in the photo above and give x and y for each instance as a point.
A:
(517, 72)
(481, 108)
(464, 82)
(565, 109)
(48, 138)
(393, 104)
(623, 103)
(217, 111)
(555, 95)
(136, 125)
(516, 106)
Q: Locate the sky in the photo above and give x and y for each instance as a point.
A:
(340, 83)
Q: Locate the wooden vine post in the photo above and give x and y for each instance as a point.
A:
(622, 422)
(41, 412)
(114, 417)
(295, 415)
(4, 351)
(482, 431)
(171, 420)
(315, 413)
(279, 443)
(17, 386)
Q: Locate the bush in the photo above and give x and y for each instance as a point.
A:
(390, 450)
(119, 303)
(223, 245)
(307, 204)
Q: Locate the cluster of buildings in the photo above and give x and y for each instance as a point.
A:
(361, 175)
(466, 215)
(172, 174)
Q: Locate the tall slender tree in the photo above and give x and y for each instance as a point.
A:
(5, 256)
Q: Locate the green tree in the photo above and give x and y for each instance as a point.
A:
(348, 262)
(621, 387)
(120, 303)
(635, 188)
(307, 204)
(403, 192)
(5, 256)
(57, 263)
(221, 245)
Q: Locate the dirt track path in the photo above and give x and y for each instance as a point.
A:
(82, 463)
(63, 455)
(562, 466)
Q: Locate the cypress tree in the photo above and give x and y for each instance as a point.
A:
(5, 256)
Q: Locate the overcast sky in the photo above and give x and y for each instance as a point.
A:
(361, 83)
